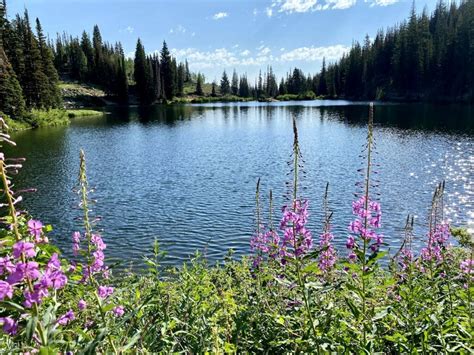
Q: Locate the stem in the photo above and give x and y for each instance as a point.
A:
(85, 208)
(102, 315)
(367, 188)
(14, 224)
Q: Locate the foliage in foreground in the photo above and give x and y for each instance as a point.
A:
(293, 295)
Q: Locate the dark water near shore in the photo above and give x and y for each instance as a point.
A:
(186, 175)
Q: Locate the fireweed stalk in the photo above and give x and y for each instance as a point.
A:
(94, 254)
(302, 238)
(363, 238)
(327, 256)
(24, 269)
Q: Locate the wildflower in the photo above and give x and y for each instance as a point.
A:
(327, 259)
(35, 228)
(98, 242)
(10, 326)
(28, 270)
(26, 248)
(297, 240)
(54, 279)
(105, 291)
(6, 290)
(350, 244)
(66, 318)
(118, 311)
(36, 296)
(76, 239)
(467, 266)
(54, 263)
(437, 243)
(81, 305)
(6, 265)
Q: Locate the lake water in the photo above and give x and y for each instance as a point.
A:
(186, 175)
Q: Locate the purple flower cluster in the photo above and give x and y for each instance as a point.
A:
(10, 326)
(437, 243)
(97, 263)
(327, 258)
(66, 318)
(368, 218)
(405, 259)
(35, 228)
(265, 242)
(297, 239)
(20, 273)
(467, 266)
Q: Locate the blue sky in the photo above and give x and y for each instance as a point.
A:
(227, 34)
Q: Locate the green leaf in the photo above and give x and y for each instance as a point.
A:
(30, 328)
(12, 306)
(132, 341)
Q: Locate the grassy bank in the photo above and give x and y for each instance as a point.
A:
(192, 99)
(45, 118)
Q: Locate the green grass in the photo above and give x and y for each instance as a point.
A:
(83, 113)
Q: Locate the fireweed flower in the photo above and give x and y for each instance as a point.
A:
(467, 266)
(66, 318)
(10, 326)
(82, 305)
(76, 239)
(364, 225)
(6, 266)
(26, 248)
(327, 259)
(297, 240)
(35, 228)
(105, 291)
(118, 311)
(36, 296)
(437, 243)
(6, 290)
(28, 270)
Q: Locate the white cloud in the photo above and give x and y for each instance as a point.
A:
(382, 2)
(128, 29)
(225, 58)
(309, 54)
(269, 11)
(220, 15)
(302, 6)
(264, 51)
(193, 34)
(255, 12)
(179, 29)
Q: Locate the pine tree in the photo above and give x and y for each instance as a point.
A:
(199, 83)
(32, 80)
(213, 90)
(322, 85)
(11, 97)
(52, 97)
(181, 76)
(235, 84)
(142, 79)
(187, 72)
(167, 73)
(225, 85)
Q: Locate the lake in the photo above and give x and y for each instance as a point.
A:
(186, 175)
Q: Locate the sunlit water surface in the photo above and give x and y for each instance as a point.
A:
(186, 175)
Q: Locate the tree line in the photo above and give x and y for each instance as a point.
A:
(424, 57)
(93, 61)
(28, 78)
